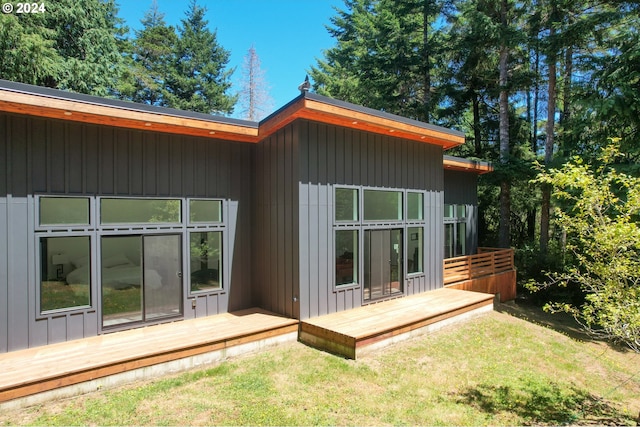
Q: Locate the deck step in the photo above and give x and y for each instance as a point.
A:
(354, 332)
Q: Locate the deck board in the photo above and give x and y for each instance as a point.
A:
(347, 332)
(38, 369)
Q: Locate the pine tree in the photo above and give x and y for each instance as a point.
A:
(152, 56)
(384, 56)
(254, 98)
(72, 46)
(197, 80)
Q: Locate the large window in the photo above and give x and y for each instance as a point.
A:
(358, 212)
(133, 248)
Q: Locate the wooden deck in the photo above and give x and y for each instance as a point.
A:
(65, 369)
(351, 333)
(90, 363)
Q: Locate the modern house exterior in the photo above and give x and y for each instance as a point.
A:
(115, 215)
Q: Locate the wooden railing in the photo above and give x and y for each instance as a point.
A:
(487, 262)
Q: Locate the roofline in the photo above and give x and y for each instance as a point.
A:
(53, 103)
(323, 109)
(466, 165)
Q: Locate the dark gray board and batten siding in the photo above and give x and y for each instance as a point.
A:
(298, 220)
(45, 156)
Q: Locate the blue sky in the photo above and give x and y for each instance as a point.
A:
(288, 35)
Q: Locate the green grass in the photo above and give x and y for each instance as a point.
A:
(493, 370)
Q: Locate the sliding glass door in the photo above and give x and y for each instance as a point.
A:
(141, 278)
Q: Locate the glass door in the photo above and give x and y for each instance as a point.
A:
(162, 276)
(141, 278)
(383, 275)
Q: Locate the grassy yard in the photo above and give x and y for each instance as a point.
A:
(505, 368)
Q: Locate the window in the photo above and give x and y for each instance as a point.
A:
(455, 230)
(133, 250)
(382, 205)
(415, 247)
(346, 257)
(205, 211)
(360, 213)
(448, 211)
(64, 211)
(139, 211)
(205, 258)
(415, 206)
(65, 272)
(346, 204)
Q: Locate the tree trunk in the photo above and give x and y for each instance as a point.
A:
(477, 131)
(565, 114)
(548, 150)
(504, 234)
(426, 62)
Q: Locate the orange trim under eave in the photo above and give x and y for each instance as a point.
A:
(467, 166)
(304, 108)
(321, 112)
(39, 106)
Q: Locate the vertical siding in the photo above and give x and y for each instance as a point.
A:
(42, 156)
(331, 155)
(275, 239)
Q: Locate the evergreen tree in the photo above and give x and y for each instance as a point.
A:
(254, 91)
(72, 46)
(384, 57)
(197, 80)
(152, 56)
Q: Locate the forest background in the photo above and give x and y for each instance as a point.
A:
(547, 90)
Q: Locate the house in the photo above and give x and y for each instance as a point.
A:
(115, 215)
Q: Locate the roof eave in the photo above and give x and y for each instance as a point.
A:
(466, 165)
(326, 110)
(22, 99)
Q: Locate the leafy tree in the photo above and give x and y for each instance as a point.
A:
(600, 212)
(72, 46)
(254, 91)
(197, 80)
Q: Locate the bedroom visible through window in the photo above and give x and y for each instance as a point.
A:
(65, 272)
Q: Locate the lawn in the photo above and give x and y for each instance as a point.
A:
(514, 367)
